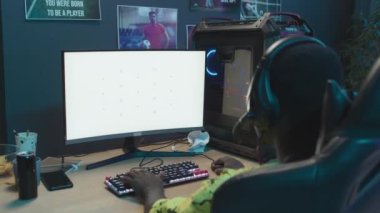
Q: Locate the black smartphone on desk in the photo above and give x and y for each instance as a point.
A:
(56, 180)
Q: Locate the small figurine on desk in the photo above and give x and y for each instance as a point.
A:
(285, 100)
(26, 141)
(198, 140)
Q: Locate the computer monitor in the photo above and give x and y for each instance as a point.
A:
(132, 93)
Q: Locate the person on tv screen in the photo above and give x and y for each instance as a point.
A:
(155, 34)
(298, 77)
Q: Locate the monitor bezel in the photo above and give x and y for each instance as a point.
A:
(126, 134)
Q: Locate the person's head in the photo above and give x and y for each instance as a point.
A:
(287, 92)
(152, 17)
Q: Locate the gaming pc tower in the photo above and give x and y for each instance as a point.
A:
(233, 50)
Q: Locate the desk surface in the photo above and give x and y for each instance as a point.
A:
(89, 193)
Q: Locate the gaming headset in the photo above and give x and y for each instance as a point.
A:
(263, 105)
(263, 102)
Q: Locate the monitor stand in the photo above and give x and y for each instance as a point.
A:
(131, 151)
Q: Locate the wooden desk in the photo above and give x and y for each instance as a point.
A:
(89, 193)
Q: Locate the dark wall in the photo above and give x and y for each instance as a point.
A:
(32, 63)
(2, 88)
(329, 19)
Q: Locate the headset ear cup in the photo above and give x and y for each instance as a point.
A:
(265, 103)
(272, 108)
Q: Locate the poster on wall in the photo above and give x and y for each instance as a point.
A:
(189, 33)
(146, 27)
(254, 9)
(62, 10)
(217, 5)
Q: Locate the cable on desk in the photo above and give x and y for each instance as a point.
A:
(212, 160)
(164, 142)
(143, 164)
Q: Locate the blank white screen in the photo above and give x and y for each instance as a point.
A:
(119, 92)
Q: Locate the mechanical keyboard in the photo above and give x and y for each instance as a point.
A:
(171, 174)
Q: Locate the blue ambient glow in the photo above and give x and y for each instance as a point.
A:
(209, 55)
